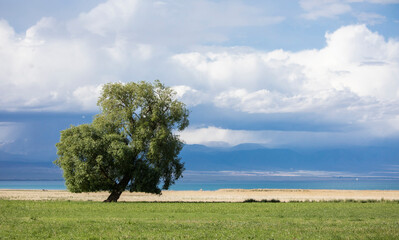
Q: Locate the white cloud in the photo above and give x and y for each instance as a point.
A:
(354, 58)
(214, 136)
(60, 66)
(226, 68)
(315, 9)
(87, 96)
(170, 23)
(190, 96)
(377, 1)
(352, 79)
(38, 71)
(107, 18)
(324, 8)
(264, 101)
(48, 67)
(370, 18)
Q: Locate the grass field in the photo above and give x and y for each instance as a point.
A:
(95, 220)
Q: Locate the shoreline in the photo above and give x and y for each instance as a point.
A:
(222, 195)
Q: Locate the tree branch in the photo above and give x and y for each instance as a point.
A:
(105, 174)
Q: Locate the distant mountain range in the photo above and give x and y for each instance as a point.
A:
(245, 157)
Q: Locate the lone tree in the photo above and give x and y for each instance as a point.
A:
(130, 145)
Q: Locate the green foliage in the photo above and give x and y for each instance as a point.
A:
(92, 220)
(130, 145)
(249, 200)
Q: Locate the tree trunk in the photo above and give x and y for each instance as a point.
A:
(117, 191)
(114, 196)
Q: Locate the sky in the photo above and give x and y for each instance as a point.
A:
(307, 74)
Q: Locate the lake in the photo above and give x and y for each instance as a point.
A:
(340, 184)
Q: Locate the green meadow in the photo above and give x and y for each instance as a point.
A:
(255, 220)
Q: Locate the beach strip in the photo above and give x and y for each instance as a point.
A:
(223, 195)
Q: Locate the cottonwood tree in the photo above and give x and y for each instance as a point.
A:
(131, 145)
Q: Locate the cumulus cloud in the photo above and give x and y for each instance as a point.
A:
(221, 137)
(213, 136)
(87, 96)
(324, 8)
(377, 1)
(39, 72)
(190, 96)
(315, 9)
(370, 18)
(225, 68)
(264, 101)
(58, 66)
(107, 18)
(170, 23)
(61, 66)
(352, 79)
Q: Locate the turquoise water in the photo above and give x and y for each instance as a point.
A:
(49, 185)
(312, 184)
(349, 184)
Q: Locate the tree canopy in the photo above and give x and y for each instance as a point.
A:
(131, 145)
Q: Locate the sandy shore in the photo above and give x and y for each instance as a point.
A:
(223, 195)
